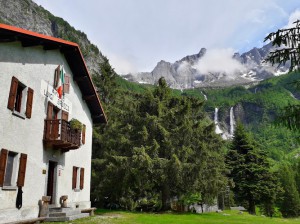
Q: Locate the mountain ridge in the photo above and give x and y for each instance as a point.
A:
(30, 16)
(183, 73)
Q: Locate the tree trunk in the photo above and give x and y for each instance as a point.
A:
(165, 196)
(251, 208)
(201, 207)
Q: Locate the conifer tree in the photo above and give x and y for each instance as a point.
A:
(106, 81)
(297, 175)
(249, 170)
(290, 203)
(288, 50)
(155, 147)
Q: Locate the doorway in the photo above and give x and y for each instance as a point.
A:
(51, 181)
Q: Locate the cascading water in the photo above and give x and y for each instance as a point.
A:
(232, 122)
(218, 129)
(205, 97)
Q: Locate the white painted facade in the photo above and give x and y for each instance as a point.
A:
(32, 66)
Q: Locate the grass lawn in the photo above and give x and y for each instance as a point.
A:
(227, 217)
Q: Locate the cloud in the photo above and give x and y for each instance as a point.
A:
(121, 65)
(183, 67)
(257, 16)
(218, 61)
(293, 17)
(141, 33)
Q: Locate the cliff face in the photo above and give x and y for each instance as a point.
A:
(28, 15)
(245, 112)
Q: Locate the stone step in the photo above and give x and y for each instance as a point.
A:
(59, 209)
(66, 218)
(65, 213)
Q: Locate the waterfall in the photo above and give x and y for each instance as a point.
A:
(292, 95)
(216, 116)
(232, 122)
(205, 97)
(218, 129)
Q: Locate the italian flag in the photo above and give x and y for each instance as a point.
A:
(61, 82)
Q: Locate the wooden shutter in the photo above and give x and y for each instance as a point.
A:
(67, 83)
(83, 133)
(56, 76)
(29, 102)
(12, 93)
(3, 158)
(81, 178)
(64, 115)
(49, 110)
(22, 170)
(74, 178)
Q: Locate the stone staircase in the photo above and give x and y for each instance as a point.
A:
(64, 214)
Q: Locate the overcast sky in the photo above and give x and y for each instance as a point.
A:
(136, 34)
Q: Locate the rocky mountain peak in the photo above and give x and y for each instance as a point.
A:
(202, 52)
(185, 74)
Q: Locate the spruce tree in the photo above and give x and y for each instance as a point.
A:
(155, 147)
(290, 203)
(297, 174)
(249, 170)
(287, 50)
(105, 82)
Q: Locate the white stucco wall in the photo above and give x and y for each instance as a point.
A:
(31, 65)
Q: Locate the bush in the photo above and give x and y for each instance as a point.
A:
(76, 124)
(128, 203)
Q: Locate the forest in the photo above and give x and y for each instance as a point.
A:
(160, 146)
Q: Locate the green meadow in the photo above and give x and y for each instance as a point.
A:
(226, 217)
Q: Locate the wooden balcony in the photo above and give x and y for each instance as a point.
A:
(59, 135)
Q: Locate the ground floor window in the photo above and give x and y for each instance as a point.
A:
(78, 178)
(12, 168)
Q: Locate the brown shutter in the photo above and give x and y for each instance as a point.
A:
(22, 170)
(12, 93)
(49, 110)
(74, 178)
(29, 102)
(67, 83)
(56, 76)
(3, 158)
(83, 133)
(64, 115)
(81, 178)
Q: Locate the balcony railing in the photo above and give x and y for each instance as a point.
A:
(59, 135)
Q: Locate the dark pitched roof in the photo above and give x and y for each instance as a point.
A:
(73, 56)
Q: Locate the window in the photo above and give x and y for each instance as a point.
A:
(9, 163)
(54, 113)
(20, 99)
(78, 178)
(10, 166)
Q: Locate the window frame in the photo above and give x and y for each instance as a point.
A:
(78, 178)
(20, 99)
(18, 172)
(14, 171)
